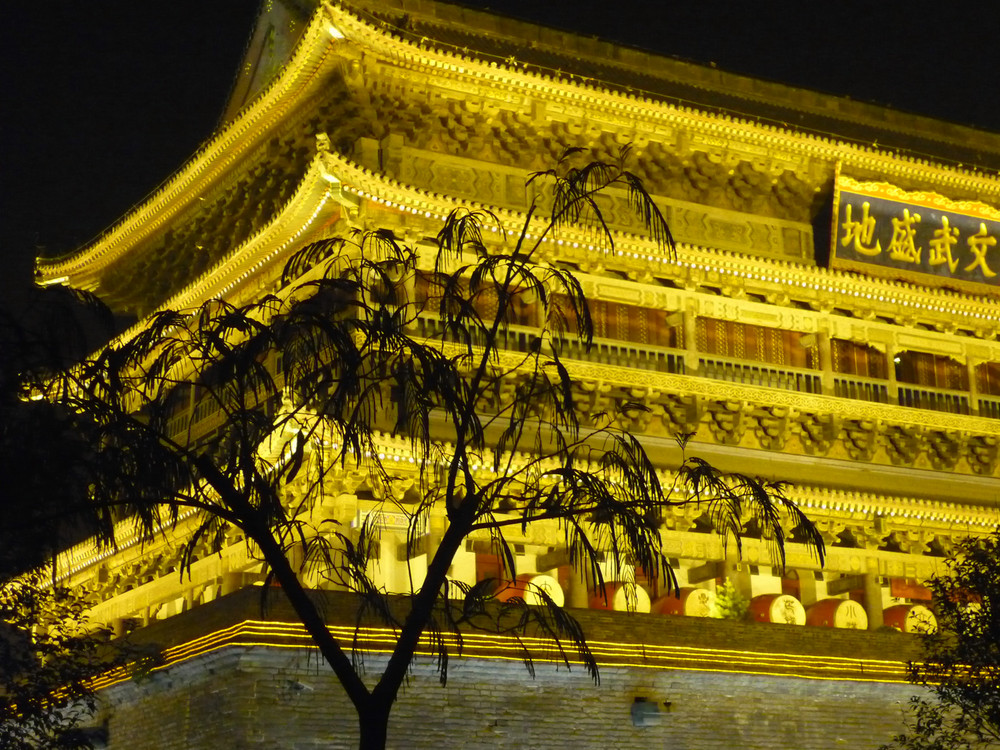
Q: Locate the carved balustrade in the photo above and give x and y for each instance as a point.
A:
(763, 374)
(989, 406)
(861, 388)
(936, 399)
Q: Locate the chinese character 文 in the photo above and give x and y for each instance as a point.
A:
(860, 232)
(940, 245)
(902, 246)
(979, 243)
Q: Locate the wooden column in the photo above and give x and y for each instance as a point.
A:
(973, 386)
(821, 340)
(825, 361)
(578, 595)
(807, 587)
(890, 361)
(690, 323)
(231, 582)
(739, 574)
(873, 596)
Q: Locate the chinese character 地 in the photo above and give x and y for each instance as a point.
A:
(862, 232)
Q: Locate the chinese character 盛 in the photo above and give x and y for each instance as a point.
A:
(901, 246)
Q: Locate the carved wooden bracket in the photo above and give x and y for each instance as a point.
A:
(903, 444)
(774, 426)
(818, 432)
(943, 448)
(861, 438)
(729, 420)
(981, 453)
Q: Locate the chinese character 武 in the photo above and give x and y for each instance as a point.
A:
(940, 246)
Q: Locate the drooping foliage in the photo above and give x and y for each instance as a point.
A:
(47, 651)
(960, 665)
(245, 414)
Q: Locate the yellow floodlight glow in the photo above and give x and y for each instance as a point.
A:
(57, 280)
(376, 640)
(334, 31)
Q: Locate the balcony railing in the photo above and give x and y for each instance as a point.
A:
(514, 338)
(989, 406)
(935, 399)
(663, 359)
(861, 388)
(760, 373)
(603, 351)
(625, 354)
(207, 415)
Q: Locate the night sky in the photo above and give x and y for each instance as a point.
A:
(104, 100)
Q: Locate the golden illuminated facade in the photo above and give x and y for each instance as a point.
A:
(874, 389)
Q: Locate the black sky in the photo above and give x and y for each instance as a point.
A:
(104, 100)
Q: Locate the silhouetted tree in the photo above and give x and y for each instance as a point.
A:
(47, 650)
(48, 653)
(960, 666)
(370, 340)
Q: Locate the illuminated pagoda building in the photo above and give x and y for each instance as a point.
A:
(829, 320)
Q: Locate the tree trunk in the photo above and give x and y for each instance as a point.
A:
(373, 723)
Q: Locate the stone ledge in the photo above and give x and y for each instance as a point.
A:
(617, 639)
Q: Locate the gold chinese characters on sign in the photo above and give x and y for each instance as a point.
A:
(881, 229)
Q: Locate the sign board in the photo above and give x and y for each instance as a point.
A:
(925, 238)
(391, 520)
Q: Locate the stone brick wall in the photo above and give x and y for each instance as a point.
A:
(256, 697)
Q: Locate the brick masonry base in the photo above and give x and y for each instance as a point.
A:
(260, 697)
(280, 695)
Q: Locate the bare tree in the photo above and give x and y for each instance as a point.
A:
(371, 340)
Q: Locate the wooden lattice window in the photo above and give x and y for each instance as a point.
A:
(616, 321)
(853, 358)
(428, 288)
(988, 378)
(931, 371)
(727, 338)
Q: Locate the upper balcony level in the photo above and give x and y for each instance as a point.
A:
(693, 339)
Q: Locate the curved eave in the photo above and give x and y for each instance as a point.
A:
(316, 199)
(685, 83)
(313, 56)
(332, 25)
(331, 181)
(641, 113)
